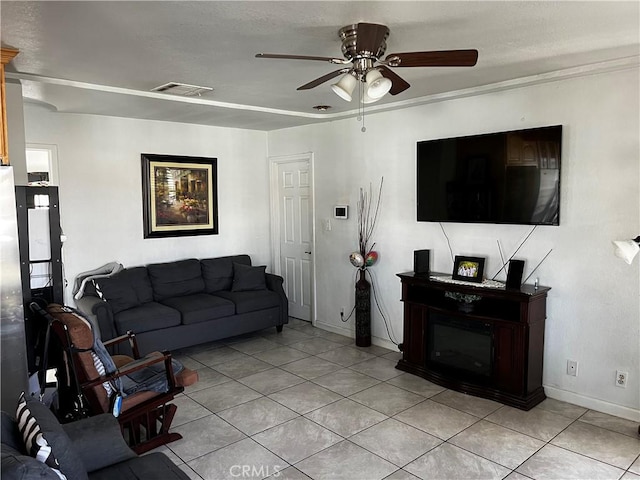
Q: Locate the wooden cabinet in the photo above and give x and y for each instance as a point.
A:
(7, 56)
(501, 330)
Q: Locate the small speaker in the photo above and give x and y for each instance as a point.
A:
(421, 262)
(514, 274)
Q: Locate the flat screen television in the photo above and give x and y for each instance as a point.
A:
(507, 177)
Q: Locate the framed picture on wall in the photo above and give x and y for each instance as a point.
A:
(179, 195)
(469, 269)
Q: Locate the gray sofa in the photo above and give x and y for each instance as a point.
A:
(187, 302)
(92, 449)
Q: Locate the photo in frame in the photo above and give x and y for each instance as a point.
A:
(468, 269)
(180, 195)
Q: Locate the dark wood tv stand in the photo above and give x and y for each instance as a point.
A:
(512, 322)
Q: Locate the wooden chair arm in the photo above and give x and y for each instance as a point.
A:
(134, 367)
(116, 340)
(133, 343)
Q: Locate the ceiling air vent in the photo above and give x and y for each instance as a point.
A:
(183, 89)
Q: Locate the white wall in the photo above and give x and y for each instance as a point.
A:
(101, 188)
(593, 308)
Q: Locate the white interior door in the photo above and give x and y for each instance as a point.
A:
(295, 237)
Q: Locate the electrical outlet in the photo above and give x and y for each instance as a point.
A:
(572, 368)
(621, 379)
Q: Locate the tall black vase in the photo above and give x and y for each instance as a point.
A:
(363, 311)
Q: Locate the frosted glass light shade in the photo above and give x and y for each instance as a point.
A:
(367, 99)
(344, 87)
(626, 249)
(377, 85)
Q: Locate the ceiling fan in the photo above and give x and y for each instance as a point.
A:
(363, 46)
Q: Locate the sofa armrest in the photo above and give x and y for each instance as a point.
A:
(98, 441)
(99, 314)
(275, 283)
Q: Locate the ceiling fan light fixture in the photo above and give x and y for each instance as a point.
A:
(366, 99)
(345, 86)
(377, 86)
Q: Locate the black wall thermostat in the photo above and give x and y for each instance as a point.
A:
(341, 211)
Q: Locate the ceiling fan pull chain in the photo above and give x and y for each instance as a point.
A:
(359, 117)
(361, 106)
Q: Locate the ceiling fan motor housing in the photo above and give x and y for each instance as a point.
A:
(349, 37)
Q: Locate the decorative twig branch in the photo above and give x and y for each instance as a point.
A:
(366, 222)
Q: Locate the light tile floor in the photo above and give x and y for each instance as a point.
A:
(306, 403)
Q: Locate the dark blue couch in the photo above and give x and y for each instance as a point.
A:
(92, 449)
(187, 302)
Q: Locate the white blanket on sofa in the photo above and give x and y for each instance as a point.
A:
(101, 272)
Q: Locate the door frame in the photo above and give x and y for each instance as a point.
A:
(274, 163)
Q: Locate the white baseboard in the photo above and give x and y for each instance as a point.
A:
(593, 403)
(347, 332)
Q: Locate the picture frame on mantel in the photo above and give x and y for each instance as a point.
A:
(468, 269)
(179, 195)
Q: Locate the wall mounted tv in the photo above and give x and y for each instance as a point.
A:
(507, 177)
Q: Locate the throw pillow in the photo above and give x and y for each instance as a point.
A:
(247, 278)
(35, 443)
(117, 291)
(126, 289)
(217, 273)
(101, 371)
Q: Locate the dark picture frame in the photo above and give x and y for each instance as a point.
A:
(468, 269)
(179, 195)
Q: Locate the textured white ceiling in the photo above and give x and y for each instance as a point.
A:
(105, 57)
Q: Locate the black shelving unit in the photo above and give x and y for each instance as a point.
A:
(31, 197)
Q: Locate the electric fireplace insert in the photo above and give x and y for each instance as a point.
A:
(456, 343)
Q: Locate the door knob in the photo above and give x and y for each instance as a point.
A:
(308, 253)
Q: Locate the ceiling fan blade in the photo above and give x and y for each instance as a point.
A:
(322, 79)
(443, 58)
(370, 37)
(398, 84)
(301, 57)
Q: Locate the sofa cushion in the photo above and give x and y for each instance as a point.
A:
(176, 279)
(154, 465)
(126, 289)
(46, 439)
(150, 316)
(252, 301)
(16, 466)
(201, 307)
(247, 278)
(98, 431)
